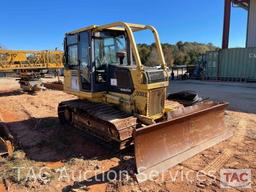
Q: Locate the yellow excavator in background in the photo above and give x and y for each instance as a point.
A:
(123, 102)
(30, 65)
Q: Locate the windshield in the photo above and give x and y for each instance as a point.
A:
(110, 50)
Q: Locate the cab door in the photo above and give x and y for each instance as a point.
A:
(84, 61)
(100, 66)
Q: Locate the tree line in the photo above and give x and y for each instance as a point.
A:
(182, 53)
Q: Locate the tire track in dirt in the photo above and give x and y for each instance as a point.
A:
(227, 154)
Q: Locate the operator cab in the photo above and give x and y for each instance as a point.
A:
(100, 57)
(104, 59)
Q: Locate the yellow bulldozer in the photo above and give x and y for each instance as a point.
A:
(125, 103)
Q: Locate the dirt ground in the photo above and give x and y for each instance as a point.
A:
(48, 158)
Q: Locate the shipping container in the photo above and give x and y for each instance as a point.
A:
(236, 64)
(211, 64)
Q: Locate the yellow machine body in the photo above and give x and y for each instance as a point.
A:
(147, 100)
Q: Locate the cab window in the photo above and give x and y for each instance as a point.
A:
(108, 49)
(72, 50)
(72, 55)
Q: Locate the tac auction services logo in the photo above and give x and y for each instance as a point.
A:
(235, 178)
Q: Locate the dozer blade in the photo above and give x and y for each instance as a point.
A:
(187, 132)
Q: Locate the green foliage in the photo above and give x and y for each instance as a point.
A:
(144, 51)
(186, 53)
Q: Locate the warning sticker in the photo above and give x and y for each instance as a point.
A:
(113, 82)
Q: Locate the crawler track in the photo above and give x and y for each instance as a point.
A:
(103, 121)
